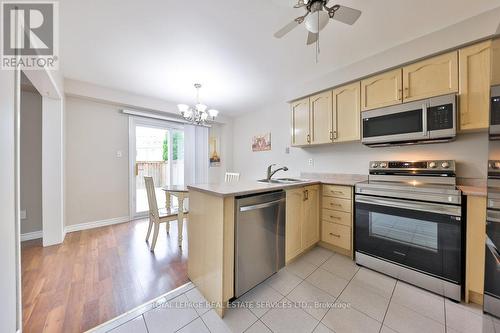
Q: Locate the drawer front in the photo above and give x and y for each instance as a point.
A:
(336, 216)
(336, 234)
(337, 191)
(344, 205)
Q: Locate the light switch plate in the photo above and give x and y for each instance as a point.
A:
(310, 162)
(119, 153)
(23, 214)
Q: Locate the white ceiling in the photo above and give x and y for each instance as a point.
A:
(159, 48)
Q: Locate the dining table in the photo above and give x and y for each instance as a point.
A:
(181, 192)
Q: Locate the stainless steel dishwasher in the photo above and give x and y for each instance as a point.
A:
(259, 239)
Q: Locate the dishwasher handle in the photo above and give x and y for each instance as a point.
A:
(262, 205)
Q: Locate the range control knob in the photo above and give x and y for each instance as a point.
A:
(374, 165)
(383, 165)
(432, 165)
(445, 165)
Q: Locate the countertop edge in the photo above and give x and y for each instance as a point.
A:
(276, 187)
(476, 191)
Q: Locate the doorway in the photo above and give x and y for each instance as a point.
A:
(156, 150)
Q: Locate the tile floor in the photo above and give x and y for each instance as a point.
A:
(352, 299)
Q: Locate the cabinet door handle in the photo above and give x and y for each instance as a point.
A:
(335, 135)
(336, 205)
(407, 91)
(339, 192)
(331, 136)
(306, 195)
(308, 138)
(400, 94)
(335, 217)
(334, 235)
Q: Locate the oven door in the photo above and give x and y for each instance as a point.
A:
(422, 236)
(400, 123)
(492, 267)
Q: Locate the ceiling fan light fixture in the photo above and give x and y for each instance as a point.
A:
(317, 21)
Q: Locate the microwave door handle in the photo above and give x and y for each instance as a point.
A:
(494, 251)
(425, 132)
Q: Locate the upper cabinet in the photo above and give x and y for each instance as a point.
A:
(346, 112)
(334, 116)
(382, 90)
(300, 123)
(475, 80)
(321, 118)
(431, 77)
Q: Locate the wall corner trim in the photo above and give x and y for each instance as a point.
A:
(31, 235)
(96, 224)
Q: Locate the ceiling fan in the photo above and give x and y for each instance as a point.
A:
(317, 17)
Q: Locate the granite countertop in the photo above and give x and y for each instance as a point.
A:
(245, 187)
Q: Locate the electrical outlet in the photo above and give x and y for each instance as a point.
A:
(23, 214)
(119, 153)
(287, 150)
(310, 162)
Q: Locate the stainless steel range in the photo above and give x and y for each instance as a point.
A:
(409, 224)
(492, 255)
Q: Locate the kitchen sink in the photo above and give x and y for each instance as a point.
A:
(281, 181)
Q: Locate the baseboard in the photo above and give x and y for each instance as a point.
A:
(95, 224)
(31, 235)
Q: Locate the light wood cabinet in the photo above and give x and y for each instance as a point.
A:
(322, 120)
(475, 80)
(382, 90)
(310, 221)
(431, 77)
(346, 112)
(476, 235)
(302, 220)
(336, 218)
(293, 228)
(300, 123)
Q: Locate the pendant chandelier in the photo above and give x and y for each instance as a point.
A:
(197, 114)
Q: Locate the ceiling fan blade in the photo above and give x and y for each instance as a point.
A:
(311, 38)
(286, 29)
(347, 15)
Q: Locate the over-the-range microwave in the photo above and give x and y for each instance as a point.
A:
(495, 113)
(424, 121)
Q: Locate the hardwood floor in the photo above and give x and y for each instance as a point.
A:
(96, 275)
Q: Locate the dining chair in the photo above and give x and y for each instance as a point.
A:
(231, 177)
(157, 216)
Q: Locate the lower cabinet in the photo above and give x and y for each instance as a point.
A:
(336, 218)
(302, 220)
(474, 262)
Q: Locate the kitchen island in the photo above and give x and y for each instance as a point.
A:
(211, 229)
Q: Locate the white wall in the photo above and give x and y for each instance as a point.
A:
(96, 179)
(470, 150)
(31, 161)
(225, 133)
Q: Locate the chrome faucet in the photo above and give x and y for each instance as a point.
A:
(270, 172)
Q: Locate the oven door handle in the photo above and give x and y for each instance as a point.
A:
(404, 204)
(494, 251)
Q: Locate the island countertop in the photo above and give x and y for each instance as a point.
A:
(245, 187)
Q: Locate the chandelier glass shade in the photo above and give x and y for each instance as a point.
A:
(197, 114)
